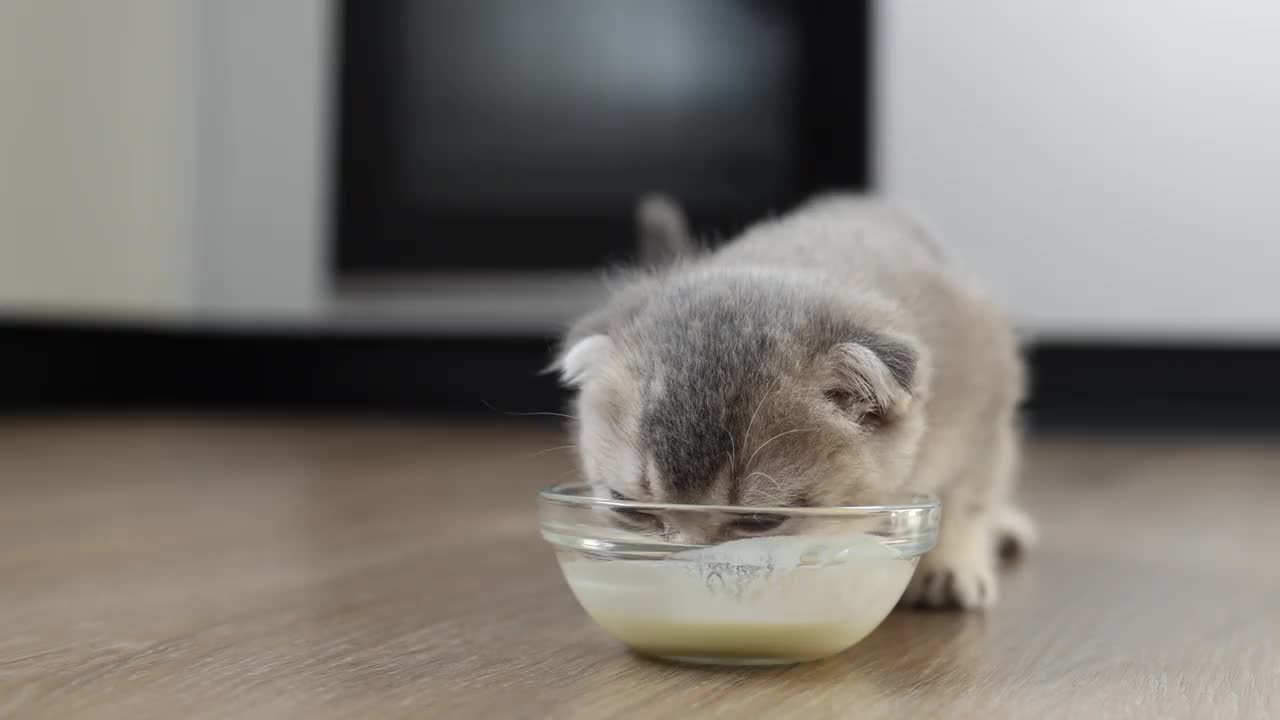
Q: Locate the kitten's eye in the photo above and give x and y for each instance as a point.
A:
(632, 516)
(637, 517)
(847, 402)
(756, 524)
(840, 397)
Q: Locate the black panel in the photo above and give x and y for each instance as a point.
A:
(501, 134)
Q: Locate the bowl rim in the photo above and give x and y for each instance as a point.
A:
(559, 494)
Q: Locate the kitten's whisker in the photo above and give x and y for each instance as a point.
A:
(733, 449)
(775, 437)
(761, 472)
(776, 497)
(540, 453)
(746, 437)
(528, 414)
(549, 414)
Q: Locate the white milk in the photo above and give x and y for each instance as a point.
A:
(777, 599)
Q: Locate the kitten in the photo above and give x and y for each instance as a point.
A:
(831, 356)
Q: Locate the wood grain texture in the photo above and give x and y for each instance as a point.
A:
(324, 570)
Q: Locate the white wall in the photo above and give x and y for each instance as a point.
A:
(96, 156)
(265, 77)
(1111, 168)
(164, 158)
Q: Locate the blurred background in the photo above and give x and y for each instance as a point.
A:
(394, 205)
(275, 275)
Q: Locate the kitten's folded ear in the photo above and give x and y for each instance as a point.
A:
(876, 376)
(579, 358)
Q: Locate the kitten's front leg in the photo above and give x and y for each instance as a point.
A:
(960, 572)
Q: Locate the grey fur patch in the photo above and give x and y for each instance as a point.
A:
(710, 365)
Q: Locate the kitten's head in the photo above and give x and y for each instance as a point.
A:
(741, 390)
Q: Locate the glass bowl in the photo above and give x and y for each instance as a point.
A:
(682, 583)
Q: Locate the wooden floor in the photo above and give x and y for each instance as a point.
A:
(191, 569)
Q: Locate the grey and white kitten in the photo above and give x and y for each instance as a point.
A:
(831, 356)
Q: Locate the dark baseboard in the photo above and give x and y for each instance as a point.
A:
(72, 367)
(1110, 384)
(55, 367)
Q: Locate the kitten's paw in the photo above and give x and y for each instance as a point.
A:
(943, 583)
(1015, 532)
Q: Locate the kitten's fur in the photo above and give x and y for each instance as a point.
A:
(827, 357)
